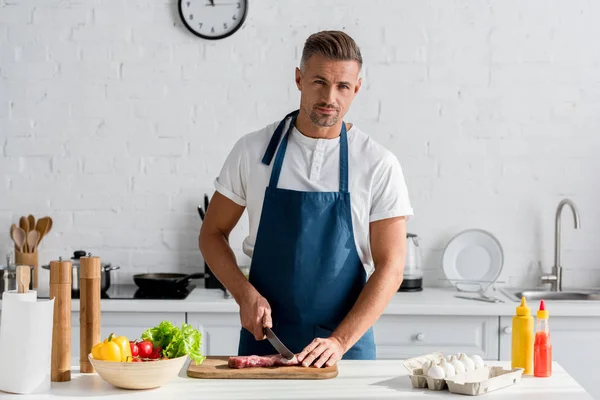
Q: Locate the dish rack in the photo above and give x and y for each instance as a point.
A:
(470, 286)
(474, 286)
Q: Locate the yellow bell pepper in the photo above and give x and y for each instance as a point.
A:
(123, 344)
(111, 352)
(96, 351)
(113, 349)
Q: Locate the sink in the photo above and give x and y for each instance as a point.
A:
(540, 294)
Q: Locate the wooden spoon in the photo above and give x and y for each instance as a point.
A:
(23, 278)
(33, 238)
(24, 224)
(31, 221)
(18, 236)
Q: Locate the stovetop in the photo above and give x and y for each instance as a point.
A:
(132, 292)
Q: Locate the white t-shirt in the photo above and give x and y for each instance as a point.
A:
(375, 179)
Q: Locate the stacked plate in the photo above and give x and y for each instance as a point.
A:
(473, 260)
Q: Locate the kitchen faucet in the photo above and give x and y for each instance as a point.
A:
(555, 280)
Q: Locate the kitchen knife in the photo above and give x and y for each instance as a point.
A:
(486, 299)
(280, 347)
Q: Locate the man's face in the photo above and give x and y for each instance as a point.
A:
(327, 89)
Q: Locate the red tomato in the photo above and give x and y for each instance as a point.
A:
(144, 349)
(134, 349)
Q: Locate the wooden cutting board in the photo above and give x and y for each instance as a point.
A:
(215, 367)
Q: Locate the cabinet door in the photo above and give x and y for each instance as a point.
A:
(575, 347)
(406, 336)
(220, 332)
(127, 324)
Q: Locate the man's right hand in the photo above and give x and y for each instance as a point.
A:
(255, 314)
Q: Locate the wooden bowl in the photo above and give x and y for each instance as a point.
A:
(138, 375)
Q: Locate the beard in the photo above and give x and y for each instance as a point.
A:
(324, 120)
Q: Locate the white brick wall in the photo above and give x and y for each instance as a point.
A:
(115, 120)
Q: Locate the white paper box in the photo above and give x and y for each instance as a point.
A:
(483, 380)
(25, 343)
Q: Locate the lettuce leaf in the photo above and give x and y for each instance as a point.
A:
(176, 342)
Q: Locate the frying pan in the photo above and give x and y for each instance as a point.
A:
(164, 282)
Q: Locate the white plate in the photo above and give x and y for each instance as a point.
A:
(474, 257)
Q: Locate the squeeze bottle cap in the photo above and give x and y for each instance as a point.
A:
(523, 309)
(542, 312)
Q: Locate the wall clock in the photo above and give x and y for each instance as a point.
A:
(213, 19)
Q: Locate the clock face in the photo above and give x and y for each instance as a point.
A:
(213, 19)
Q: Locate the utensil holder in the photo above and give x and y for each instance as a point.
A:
(30, 259)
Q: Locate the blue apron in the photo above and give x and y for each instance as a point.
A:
(305, 261)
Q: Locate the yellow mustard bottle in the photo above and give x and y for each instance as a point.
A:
(522, 339)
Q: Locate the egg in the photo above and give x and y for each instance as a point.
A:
(448, 368)
(467, 362)
(477, 360)
(436, 372)
(459, 367)
(426, 365)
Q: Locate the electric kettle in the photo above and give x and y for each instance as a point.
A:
(413, 269)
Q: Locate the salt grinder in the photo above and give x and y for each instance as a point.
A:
(89, 312)
(60, 289)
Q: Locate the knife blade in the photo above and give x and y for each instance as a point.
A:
(279, 346)
(486, 299)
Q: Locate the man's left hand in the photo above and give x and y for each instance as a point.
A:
(321, 352)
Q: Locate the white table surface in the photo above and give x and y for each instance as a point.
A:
(382, 379)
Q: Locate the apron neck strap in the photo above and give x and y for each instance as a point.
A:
(268, 157)
(276, 172)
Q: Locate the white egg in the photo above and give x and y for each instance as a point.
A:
(448, 368)
(436, 372)
(459, 367)
(467, 362)
(426, 365)
(477, 360)
(449, 358)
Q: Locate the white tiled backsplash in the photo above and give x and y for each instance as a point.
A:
(115, 120)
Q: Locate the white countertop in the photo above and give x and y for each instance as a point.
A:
(431, 301)
(382, 379)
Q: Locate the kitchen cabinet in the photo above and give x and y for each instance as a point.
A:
(406, 336)
(575, 346)
(127, 324)
(220, 332)
(396, 336)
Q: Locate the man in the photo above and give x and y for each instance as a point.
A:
(326, 205)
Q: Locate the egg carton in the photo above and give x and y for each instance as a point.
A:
(474, 383)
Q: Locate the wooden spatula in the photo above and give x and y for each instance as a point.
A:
(23, 278)
(43, 227)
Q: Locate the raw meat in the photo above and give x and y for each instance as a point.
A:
(260, 361)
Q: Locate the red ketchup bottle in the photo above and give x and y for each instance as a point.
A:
(542, 348)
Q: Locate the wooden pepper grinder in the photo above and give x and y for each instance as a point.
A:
(60, 289)
(89, 309)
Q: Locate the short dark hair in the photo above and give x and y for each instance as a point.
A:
(335, 45)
